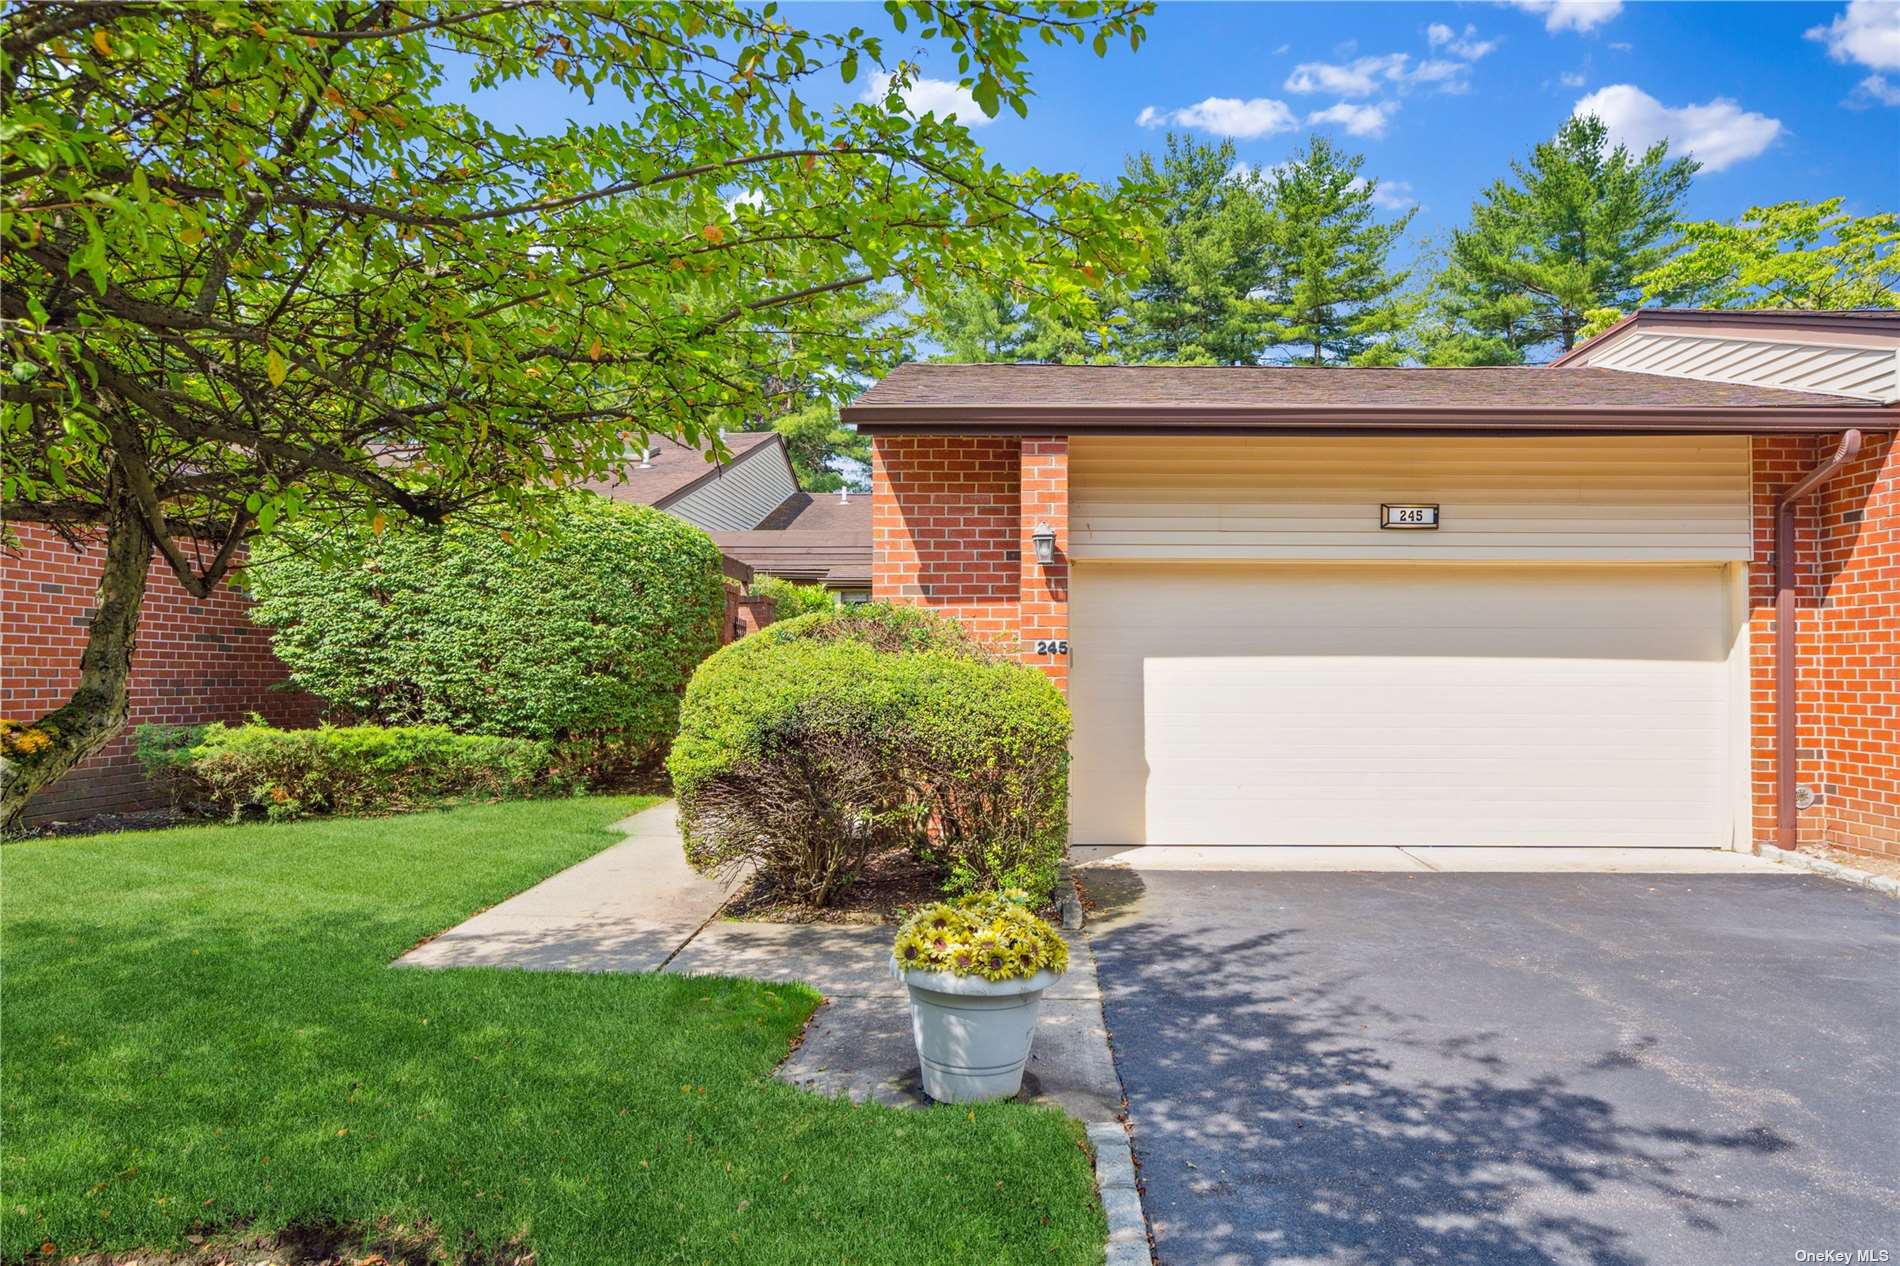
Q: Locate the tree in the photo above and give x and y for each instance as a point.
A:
(1810, 255)
(1569, 234)
(826, 454)
(1328, 290)
(258, 268)
(1194, 302)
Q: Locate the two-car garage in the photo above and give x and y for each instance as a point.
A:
(1257, 662)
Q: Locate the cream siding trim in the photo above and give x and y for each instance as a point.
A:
(1583, 499)
(1379, 704)
(740, 497)
(1840, 369)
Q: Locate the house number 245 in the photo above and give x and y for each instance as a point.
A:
(1052, 646)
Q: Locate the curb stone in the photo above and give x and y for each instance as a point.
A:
(1834, 870)
(1121, 1202)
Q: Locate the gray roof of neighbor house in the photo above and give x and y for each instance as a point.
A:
(813, 538)
(1151, 399)
(674, 470)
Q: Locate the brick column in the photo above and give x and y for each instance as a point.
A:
(1045, 589)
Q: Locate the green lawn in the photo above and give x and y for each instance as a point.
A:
(201, 1032)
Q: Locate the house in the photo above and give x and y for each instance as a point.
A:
(1498, 607)
(755, 511)
(814, 538)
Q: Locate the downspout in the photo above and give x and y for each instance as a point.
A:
(1785, 715)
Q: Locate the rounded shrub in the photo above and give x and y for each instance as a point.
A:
(585, 641)
(812, 744)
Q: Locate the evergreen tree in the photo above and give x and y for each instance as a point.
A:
(1567, 235)
(1196, 302)
(1326, 283)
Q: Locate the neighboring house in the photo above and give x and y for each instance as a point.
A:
(1496, 607)
(726, 496)
(756, 512)
(814, 538)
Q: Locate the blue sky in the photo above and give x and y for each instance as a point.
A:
(1780, 101)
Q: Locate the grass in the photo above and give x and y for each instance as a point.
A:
(202, 1033)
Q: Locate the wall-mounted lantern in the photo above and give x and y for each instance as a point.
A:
(1045, 538)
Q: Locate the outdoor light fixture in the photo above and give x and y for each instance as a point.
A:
(1045, 538)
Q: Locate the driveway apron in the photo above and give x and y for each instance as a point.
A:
(1506, 1069)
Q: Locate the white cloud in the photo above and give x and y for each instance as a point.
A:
(1465, 44)
(1282, 50)
(1874, 88)
(1360, 77)
(1393, 195)
(1572, 79)
(1719, 133)
(1365, 76)
(753, 198)
(1570, 15)
(1357, 120)
(1226, 116)
(931, 96)
(1867, 31)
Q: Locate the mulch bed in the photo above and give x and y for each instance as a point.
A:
(892, 885)
(106, 823)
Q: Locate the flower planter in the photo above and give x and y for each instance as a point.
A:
(973, 1035)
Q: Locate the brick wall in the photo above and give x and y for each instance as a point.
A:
(951, 524)
(1847, 632)
(954, 517)
(194, 661)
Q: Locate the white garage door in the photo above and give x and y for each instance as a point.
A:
(1419, 704)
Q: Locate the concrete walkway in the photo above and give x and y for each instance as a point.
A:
(859, 1043)
(625, 909)
(1423, 860)
(637, 907)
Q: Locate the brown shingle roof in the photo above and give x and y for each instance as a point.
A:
(812, 538)
(822, 512)
(673, 469)
(950, 397)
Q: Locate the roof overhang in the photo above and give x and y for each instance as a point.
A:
(1305, 420)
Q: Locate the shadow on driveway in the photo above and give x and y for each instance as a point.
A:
(1506, 1069)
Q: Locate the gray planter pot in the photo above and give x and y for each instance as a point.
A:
(973, 1035)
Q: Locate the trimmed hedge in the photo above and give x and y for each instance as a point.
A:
(586, 641)
(806, 747)
(791, 599)
(358, 769)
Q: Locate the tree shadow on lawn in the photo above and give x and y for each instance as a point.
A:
(1281, 1116)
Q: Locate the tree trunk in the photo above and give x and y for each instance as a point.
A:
(97, 710)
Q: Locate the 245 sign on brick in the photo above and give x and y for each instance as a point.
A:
(1052, 646)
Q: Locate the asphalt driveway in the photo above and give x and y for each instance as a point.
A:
(1393, 1069)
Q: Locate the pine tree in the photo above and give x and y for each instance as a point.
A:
(1570, 233)
(1326, 281)
(1197, 301)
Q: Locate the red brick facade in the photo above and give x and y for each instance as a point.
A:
(1847, 631)
(952, 525)
(955, 516)
(195, 661)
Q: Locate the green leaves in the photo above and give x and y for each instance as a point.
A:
(300, 265)
(1569, 234)
(1794, 254)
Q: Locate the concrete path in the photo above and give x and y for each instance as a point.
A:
(624, 909)
(638, 905)
(860, 1045)
(1423, 860)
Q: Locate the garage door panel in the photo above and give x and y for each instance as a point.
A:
(1272, 704)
